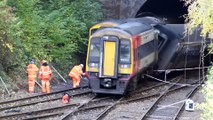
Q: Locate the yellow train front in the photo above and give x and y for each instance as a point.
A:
(118, 52)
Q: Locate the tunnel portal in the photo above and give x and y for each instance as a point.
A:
(172, 11)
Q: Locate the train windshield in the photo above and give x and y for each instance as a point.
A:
(125, 51)
(94, 50)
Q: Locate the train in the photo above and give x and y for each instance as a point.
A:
(120, 52)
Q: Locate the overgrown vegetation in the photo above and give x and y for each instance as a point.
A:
(201, 15)
(55, 30)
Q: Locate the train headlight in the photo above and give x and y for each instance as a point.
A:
(107, 82)
(125, 65)
(94, 65)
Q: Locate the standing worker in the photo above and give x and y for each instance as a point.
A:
(32, 71)
(45, 73)
(75, 74)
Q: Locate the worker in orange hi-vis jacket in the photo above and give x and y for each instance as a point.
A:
(32, 71)
(75, 74)
(45, 73)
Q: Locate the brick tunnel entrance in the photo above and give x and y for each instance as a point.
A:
(172, 11)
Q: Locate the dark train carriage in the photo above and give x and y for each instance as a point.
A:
(117, 54)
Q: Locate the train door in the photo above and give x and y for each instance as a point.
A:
(108, 57)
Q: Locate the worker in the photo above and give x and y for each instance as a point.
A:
(65, 98)
(75, 75)
(45, 73)
(32, 71)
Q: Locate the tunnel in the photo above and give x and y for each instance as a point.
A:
(171, 11)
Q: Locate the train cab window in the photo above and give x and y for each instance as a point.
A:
(94, 50)
(93, 31)
(125, 51)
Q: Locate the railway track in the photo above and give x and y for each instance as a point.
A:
(91, 108)
(167, 109)
(142, 104)
(39, 105)
(138, 107)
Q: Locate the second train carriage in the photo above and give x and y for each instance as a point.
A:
(118, 54)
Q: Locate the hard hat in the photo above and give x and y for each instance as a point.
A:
(43, 61)
(82, 65)
(32, 61)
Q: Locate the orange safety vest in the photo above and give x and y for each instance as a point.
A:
(32, 70)
(76, 71)
(45, 72)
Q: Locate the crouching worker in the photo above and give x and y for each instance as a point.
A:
(45, 73)
(65, 98)
(75, 75)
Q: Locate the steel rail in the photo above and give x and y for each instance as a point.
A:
(43, 116)
(151, 87)
(147, 96)
(39, 111)
(42, 101)
(65, 116)
(106, 111)
(41, 95)
(93, 107)
(120, 101)
(188, 96)
(158, 99)
(180, 87)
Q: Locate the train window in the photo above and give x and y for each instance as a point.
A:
(94, 50)
(162, 38)
(125, 51)
(93, 31)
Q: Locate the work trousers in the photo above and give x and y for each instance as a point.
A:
(31, 84)
(45, 86)
(76, 81)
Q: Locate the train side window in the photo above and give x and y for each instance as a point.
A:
(125, 51)
(162, 38)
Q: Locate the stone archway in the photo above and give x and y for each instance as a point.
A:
(172, 10)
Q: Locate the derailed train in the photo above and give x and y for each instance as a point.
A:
(120, 52)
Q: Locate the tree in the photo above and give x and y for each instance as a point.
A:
(55, 30)
(200, 14)
(9, 54)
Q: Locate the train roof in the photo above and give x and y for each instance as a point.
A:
(134, 27)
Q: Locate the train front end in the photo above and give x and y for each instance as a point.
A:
(109, 61)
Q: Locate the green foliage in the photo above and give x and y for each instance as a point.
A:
(207, 106)
(200, 14)
(9, 59)
(55, 30)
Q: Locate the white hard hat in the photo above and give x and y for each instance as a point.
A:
(32, 61)
(82, 65)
